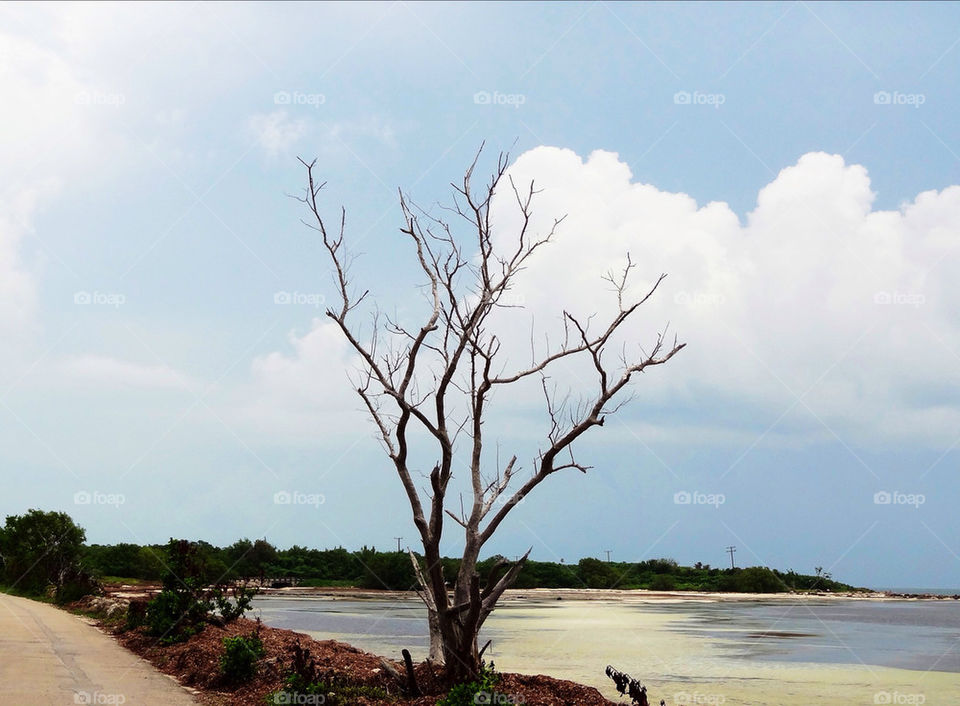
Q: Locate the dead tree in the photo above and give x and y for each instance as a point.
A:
(436, 380)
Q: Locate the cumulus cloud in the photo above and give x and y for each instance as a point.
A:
(276, 132)
(305, 391)
(815, 303)
(814, 316)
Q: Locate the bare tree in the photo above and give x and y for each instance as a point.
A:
(436, 381)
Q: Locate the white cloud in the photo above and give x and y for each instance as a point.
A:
(276, 132)
(816, 295)
(303, 393)
(111, 373)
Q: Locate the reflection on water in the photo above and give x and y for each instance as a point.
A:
(749, 652)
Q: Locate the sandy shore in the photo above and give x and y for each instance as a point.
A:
(602, 594)
(576, 637)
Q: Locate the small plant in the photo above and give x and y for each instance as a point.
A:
(305, 684)
(466, 694)
(303, 670)
(229, 610)
(137, 613)
(187, 602)
(238, 663)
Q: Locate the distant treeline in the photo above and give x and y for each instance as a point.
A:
(369, 568)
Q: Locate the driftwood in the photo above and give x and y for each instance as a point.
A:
(391, 670)
(408, 683)
(628, 686)
(412, 688)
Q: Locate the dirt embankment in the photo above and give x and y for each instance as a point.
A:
(360, 675)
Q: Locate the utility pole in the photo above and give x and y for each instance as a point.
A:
(608, 555)
(398, 544)
(730, 551)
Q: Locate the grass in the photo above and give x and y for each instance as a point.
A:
(15, 591)
(124, 580)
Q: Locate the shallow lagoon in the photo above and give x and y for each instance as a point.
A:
(763, 652)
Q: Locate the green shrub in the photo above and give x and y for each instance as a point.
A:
(238, 663)
(466, 694)
(663, 582)
(187, 602)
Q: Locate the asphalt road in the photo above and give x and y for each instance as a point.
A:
(48, 656)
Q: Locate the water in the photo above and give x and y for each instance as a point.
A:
(758, 652)
(903, 634)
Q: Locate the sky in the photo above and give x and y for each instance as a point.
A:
(166, 368)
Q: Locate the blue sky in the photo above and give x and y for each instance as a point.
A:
(791, 166)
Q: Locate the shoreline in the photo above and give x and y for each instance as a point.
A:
(595, 594)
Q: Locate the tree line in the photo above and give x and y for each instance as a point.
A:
(47, 552)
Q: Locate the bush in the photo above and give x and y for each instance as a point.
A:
(663, 582)
(466, 694)
(137, 613)
(755, 579)
(186, 604)
(40, 552)
(238, 663)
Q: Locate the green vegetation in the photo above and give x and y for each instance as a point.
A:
(303, 680)
(467, 694)
(189, 599)
(43, 554)
(369, 568)
(40, 556)
(238, 663)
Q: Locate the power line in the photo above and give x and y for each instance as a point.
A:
(398, 544)
(730, 551)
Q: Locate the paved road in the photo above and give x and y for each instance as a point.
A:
(48, 656)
